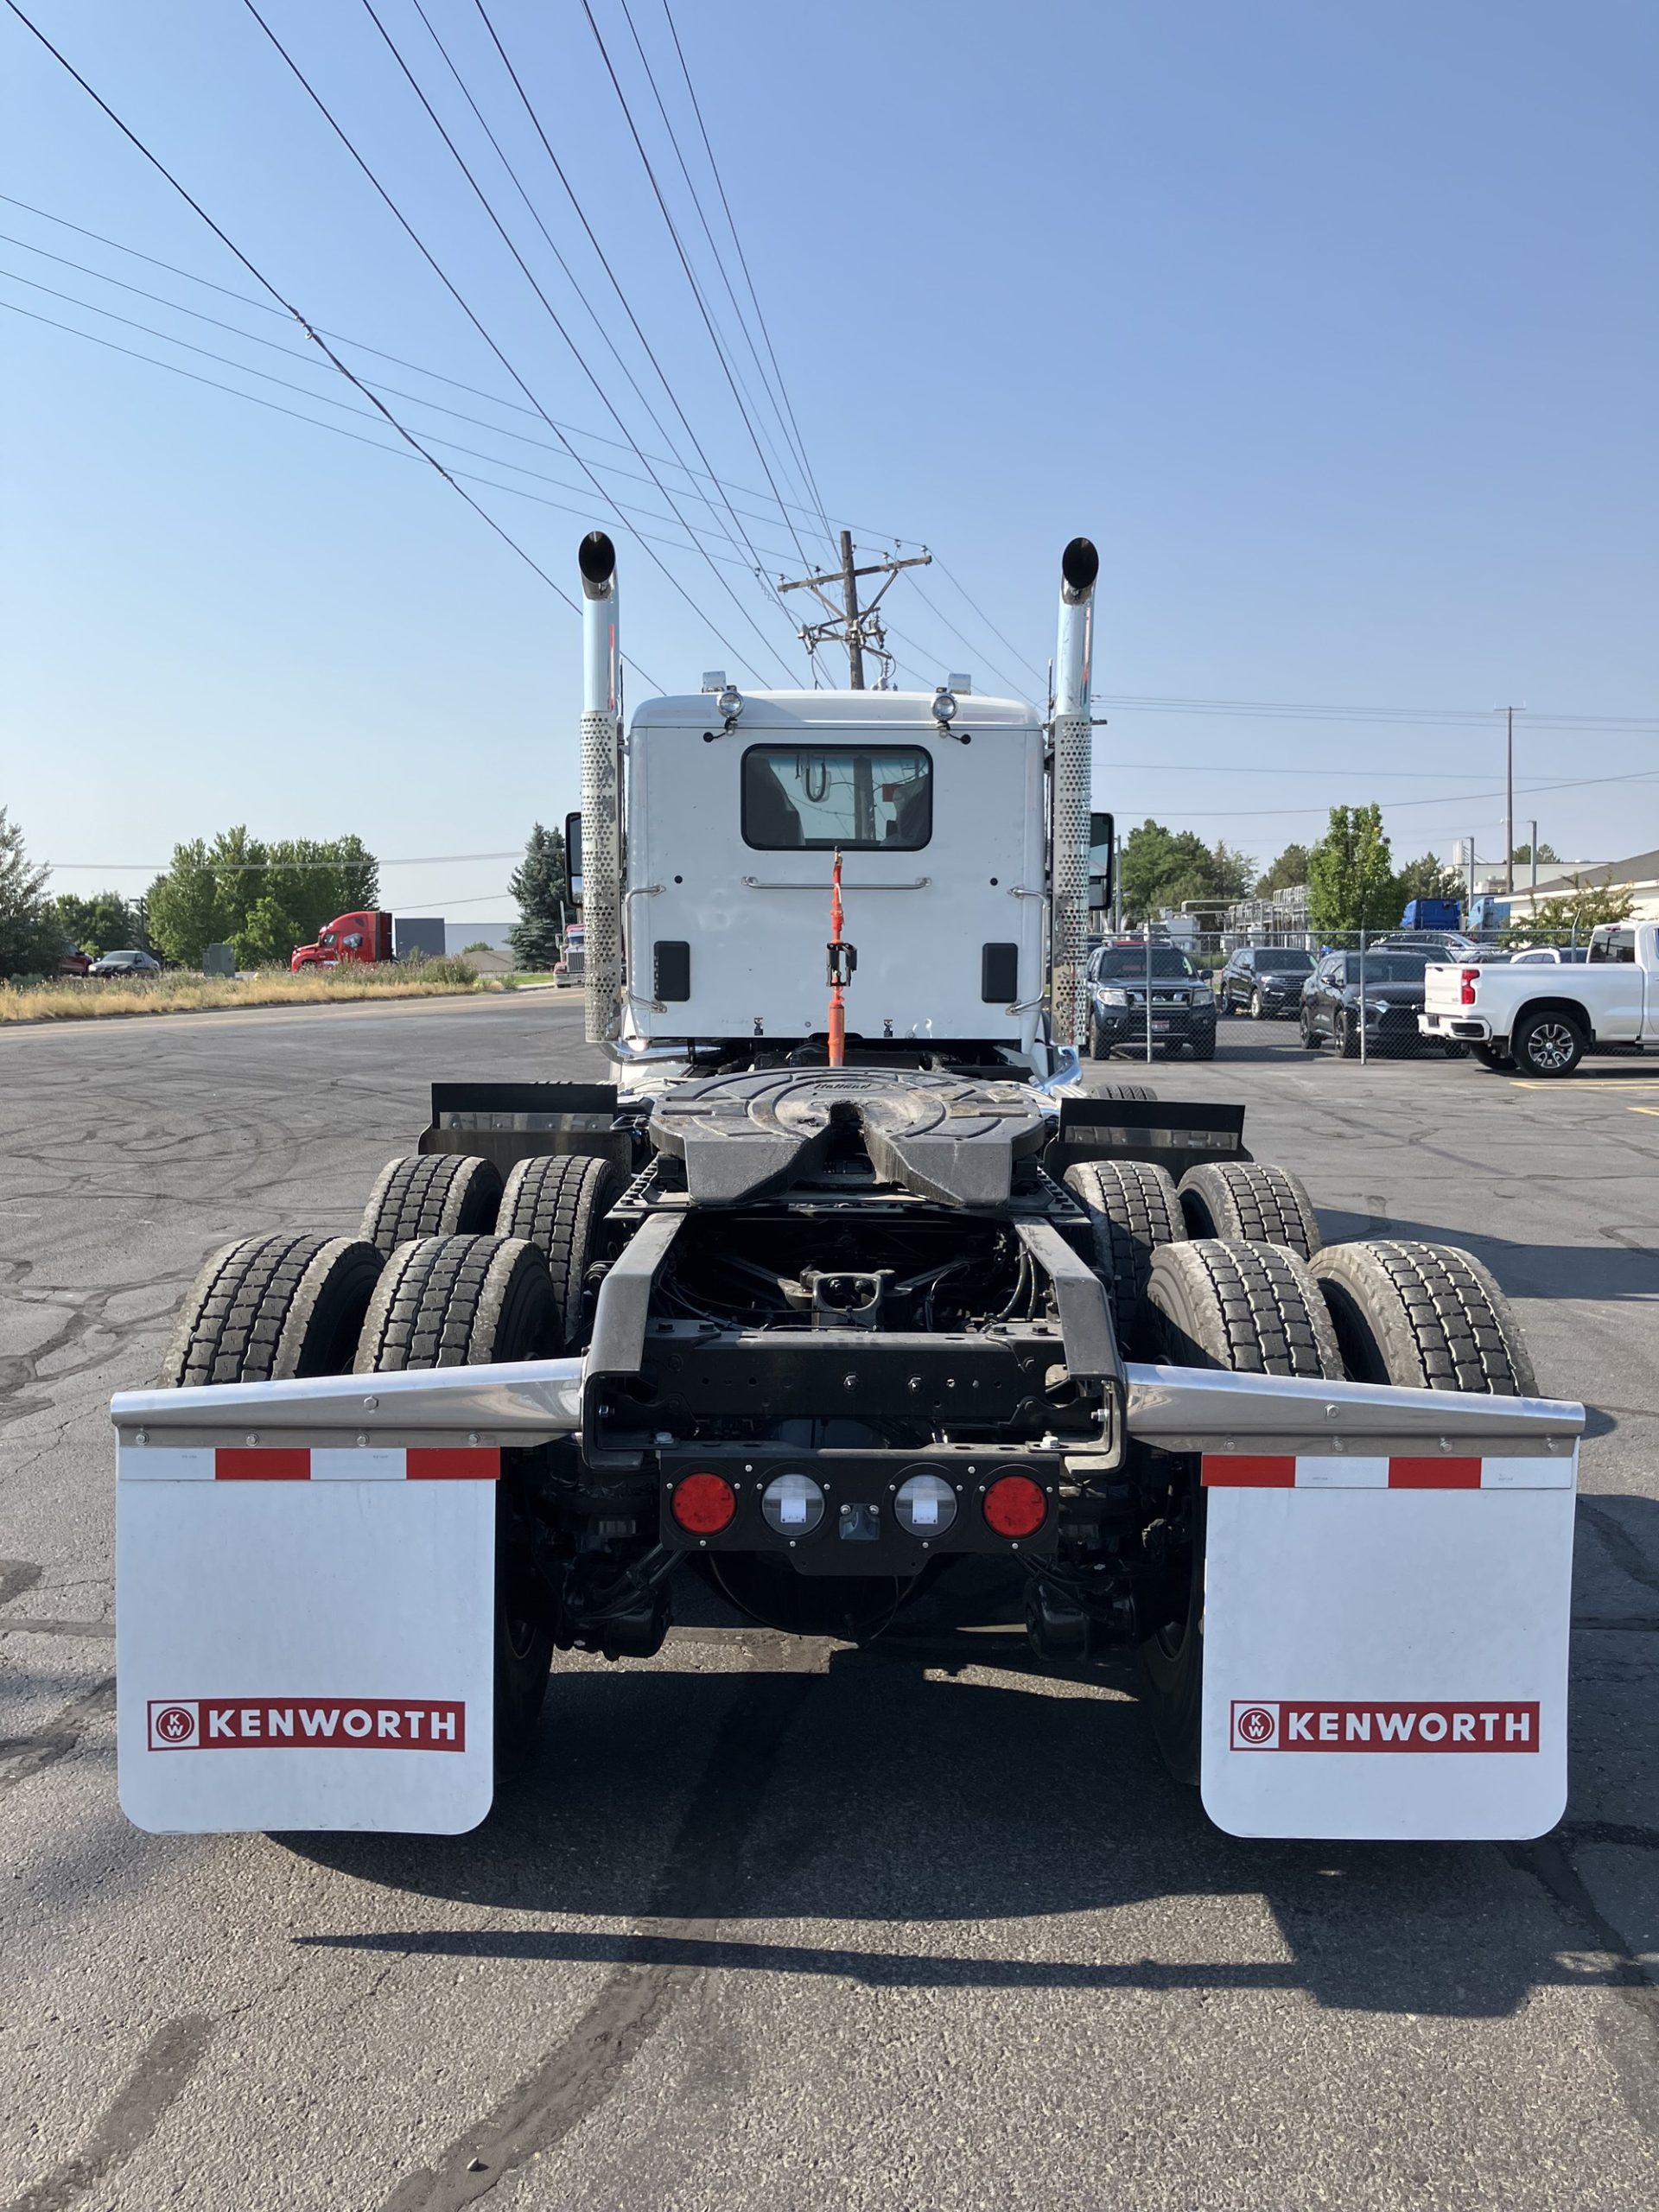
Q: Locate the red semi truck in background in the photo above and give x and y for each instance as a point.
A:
(352, 939)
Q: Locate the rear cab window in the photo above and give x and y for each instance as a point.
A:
(1613, 945)
(860, 797)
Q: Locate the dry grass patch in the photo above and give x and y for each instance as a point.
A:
(88, 997)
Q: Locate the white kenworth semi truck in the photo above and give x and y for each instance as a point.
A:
(839, 1287)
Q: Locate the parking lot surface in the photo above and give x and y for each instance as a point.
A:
(773, 1924)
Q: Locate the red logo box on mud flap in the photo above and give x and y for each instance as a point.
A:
(269, 1722)
(1348, 1724)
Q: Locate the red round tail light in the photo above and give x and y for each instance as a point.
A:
(703, 1504)
(1014, 1506)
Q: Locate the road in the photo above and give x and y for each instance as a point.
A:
(796, 1926)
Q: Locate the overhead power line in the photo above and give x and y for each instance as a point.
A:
(1001, 677)
(571, 194)
(310, 330)
(738, 316)
(377, 445)
(743, 262)
(308, 360)
(690, 277)
(1394, 806)
(552, 245)
(456, 294)
(952, 579)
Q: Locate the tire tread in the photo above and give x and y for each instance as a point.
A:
(253, 1313)
(432, 1194)
(1433, 1317)
(1244, 1201)
(1133, 1210)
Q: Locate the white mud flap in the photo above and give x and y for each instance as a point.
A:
(1385, 1645)
(304, 1636)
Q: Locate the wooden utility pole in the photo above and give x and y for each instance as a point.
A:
(1508, 714)
(849, 601)
(857, 628)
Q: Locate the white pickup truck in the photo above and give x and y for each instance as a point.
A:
(1541, 1018)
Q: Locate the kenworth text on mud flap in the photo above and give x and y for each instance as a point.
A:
(822, 1308)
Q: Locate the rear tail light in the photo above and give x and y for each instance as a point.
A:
(703, 1504)
(1471, 976)
(1014, 1506)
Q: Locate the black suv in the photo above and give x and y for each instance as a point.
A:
(1383, 995)
(1183, 1005)
(1264, 981)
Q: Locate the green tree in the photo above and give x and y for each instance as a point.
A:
(264, 937)
(1547, 854)
(1428, 878)
(263, 898)
(31, 936)
(1163, 868)
(540, 886)
(1350, 882)
(183, 905)
(1287, 872)
(107, 922)
(1587, 906)
(239, 865)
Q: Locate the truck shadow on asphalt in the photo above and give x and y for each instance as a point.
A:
(1619, 1266)
(908, 1793)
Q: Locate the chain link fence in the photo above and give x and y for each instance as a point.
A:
(1173, 993)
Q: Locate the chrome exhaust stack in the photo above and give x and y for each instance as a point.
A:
(602, 789)
(1072, 738)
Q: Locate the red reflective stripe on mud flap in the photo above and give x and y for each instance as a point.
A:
(465, 1462)
(261, 1464)
(1239, 1471)
(1434, 1474)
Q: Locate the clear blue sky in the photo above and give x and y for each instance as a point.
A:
(1334, 325)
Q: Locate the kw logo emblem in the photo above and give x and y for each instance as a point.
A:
(1351, 1725)
(378, 1724)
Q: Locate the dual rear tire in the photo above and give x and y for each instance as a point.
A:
(1423, 1316)
(429, 1283)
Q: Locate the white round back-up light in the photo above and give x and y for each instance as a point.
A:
(925, 1505)
(792, 1504)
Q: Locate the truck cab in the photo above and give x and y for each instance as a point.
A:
(359, 939)
(937, 807)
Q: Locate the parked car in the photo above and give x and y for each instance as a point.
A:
(1334, 1007)
(130, 962)
(1435, 944)
(75, 964)
(1183, 1005)
(1557, 953)
(1264, 981)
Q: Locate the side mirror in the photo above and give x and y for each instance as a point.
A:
(1103, 849)
(572, 856)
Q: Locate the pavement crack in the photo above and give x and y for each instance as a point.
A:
(165, 2066)
(27, 1756)
(1626, 1552)
(587, 2065)
(1628, 2030)
(17, 1575)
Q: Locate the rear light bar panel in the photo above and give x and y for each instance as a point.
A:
(860, 1532)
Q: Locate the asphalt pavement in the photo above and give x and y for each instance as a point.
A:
(772, 1925)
